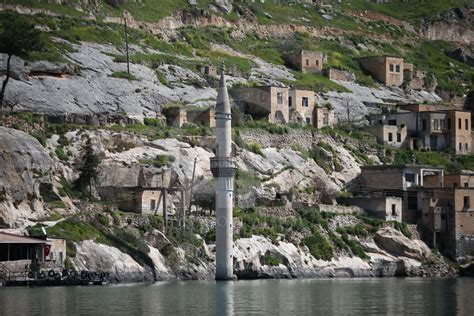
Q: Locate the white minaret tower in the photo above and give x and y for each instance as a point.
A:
(223, 168)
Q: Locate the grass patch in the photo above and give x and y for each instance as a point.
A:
(159, 161)
(123, 75)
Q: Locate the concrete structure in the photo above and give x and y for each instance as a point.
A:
(150, 201)
(405, 181)
(57, 251)
(448, 221)
(223, 168)
(387, 208)
(201, 116)
(301, 105)
(306, 61)
(323, 117)
(265, 102)
(433, 130)
(391, 135)
(208, 70)
(386, 69)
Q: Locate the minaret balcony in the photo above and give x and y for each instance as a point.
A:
(223, 167)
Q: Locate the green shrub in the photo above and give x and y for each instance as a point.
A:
(123, 75)
(148, 121)
(61, 154)
(159, 161)
(103, 219)
(403, 228)
(318, 246)
(271, 260)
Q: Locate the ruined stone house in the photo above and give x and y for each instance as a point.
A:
(265, 102)
(177, 117)
(447, 221)
(208, 70)
(387, 208)
(323, 117)
(404, 181)
(306, 61)
(301, 105)
(433, 130)
(386, 69)
(201, 116)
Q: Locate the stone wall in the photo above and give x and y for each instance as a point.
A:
(341, 75)
(301, 138)
(340, 209)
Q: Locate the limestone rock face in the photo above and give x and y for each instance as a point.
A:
(24, 164)
(92, 256)
(395, 243)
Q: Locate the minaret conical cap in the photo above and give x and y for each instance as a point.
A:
(223, 103)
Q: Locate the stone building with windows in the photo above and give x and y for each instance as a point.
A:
(387, 208)
(432, 130)
(448, 221)
(386, 69)
(404, 181)
(306, 61)
(265, 102)
(323, 117)
(301, 104)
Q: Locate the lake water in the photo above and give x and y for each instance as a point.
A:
(389, 296)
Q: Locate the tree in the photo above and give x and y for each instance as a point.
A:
(18, 37)
(88, 170)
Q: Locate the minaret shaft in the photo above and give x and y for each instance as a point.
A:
(223, 168)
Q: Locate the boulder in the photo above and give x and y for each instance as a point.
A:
(397, 244)
(92, 256)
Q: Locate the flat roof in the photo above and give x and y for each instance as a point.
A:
(382, 167)
(6, 238)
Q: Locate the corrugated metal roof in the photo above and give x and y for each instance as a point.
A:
(6, 238)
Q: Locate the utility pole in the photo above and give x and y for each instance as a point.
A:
(192, 186)
(126, 40)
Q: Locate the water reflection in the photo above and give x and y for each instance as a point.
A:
(297, 297)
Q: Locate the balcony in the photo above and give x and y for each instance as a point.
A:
(223, 167)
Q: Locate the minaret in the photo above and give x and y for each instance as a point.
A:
(223, 168)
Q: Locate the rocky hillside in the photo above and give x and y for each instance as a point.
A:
(75, 92)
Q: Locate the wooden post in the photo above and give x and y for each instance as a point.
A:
(126, 42)
(192, 185)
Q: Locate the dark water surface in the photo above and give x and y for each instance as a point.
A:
(390, 296)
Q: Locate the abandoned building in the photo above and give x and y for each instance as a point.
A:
(323, 117)
(306, 61)
(17, 252)
(208, 70)
(456, 180)
(301, 105)
(387, 208)
(447, 221)
(201, 116)
(178, 116)
(386, 69)
(404, 181)
(432, 130)
(175, 116)
(266, 102)
(412, 77)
